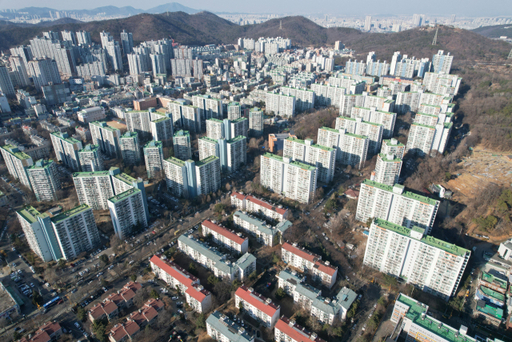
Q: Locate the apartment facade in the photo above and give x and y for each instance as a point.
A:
(93, 188)
(176, 176)
(153, 158)
(280, 104)
(294, 179)
(207, 173)
(45, 180)
(394, 147)
(324, 158)
(90, 158)
(66, 150)
(181, 144)
(130, 148)
(357, 126)
(256, 122)
(430, 264)
(217, 262)
(266, 234)
(396, 205)
(225, 237)
(199, 299)
(139, 122)
(127, 212)
(287, 330)
(259, 307)
(107, 138)
(387, 169)
(17, 162)
(254, 205)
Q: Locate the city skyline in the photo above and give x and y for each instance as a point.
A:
(472, 8)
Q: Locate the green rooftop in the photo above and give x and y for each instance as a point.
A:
(408, 194)
(215, 120)
(129, 135)
(384, 157)
(182, 133)
(69, 140)
(491, 293)
(161, 120)
(176, 161)
(104, 125)
(436, 327)
(356, 136)
(391, 226)
(236, 139)
(41, 164)
(422, 125)
(331, 130)
(67, 214)
(29, 214)
(90, 148)
(493, 280)
(388, 142)
(91, 174)
(125, 178)
(300, 141)
(490, 310)
(208, 139)
(240, 119)
(18, 154)
(447, 247)
(153, 144)
(325, 148)
(124, 195)
(425, 114)
(207, 161)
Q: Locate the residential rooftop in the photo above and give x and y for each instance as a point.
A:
(18, 154)
(207, 160)
(29, 213)
(67, 214)
(408, 194)
(124, 195)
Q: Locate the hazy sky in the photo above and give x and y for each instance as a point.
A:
(348, 7)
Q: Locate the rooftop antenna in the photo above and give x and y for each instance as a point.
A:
(510, 55)
(280, 24)
(434, 42)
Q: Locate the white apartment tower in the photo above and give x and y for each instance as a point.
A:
(386, 119)
(394, 204)
(130, 148)
(127, 212)
(387, 169)
(305, 151)
(107, 138)
(93, 188)
(357, 126)
(256, 120)
(17, 162)
(44, 177)
(90, 158)
(423, 139)
(432, 265)
(66, 149)
(153, 158)
(293, 179)
(394, 147)
(181, 142)
(280, 104)
(351, 149)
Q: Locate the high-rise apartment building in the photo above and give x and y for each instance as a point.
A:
(17, 162)
(44, 71)
(368, 23)
(211, 107)
(351, 149)
(280, 104)
(181, 143)
(395, 204)
(127, 42)
(44, 178)
(69, 36)
(114, 55)
(6, 85)
(66, 149)
(162, 128)
(293, 179)
(83, 38)
(76, 231)
(107, 138)
(256, 122)
(442, 63)
(394, 147)
(130, 148)
(215, 129)
(208, 147)
(39, 233)
(19, 71)
(176, 176)
(423, 139)
(236, 153)
(90, 158)
(153, 158)
(234, 110)
(235, 128)
(207, 172)
(94, 188)
(386, 119)
(139, 122)
(127, 212)
(433, 265)
(322, 157)
(387, 169)
(187, 117)
(373, 131)
(304, 98)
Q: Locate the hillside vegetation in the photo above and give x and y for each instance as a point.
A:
(495, 31)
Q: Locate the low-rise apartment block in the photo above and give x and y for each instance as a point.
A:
(175, 276)
(309, 298)
(287, 330)
(254, 205)
(396, 205)
(221, 328)
(217, 262)
(257, 306)
(226, 237)
(402, 252)
(265, 233)
(306, 261)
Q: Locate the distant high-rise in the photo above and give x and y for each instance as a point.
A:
(442, 63)
(256, 122)
(105, 37)
(368, 23)
(44, 71)
(416, 20)
(69, 36)
(19, 70)
(6, 86)
(114, 55)
(158, 64)
(234, 110)
(127, 42)
(83, 38)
